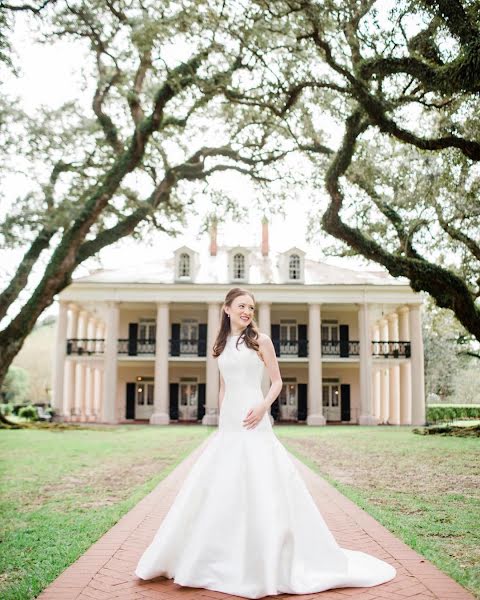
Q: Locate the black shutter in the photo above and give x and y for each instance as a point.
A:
(202, 339)
(302, 402)
(302, 340)
(174, 401)
(132, 339)
(130, 404)
(275, 329)
(275, 409)
(345, 400)
(201, 401)
(344, 341)
(175, 344)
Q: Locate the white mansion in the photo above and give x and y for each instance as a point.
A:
(135, 344)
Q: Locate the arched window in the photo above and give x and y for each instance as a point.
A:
(184, 265)
(238, 266)
(294, 266)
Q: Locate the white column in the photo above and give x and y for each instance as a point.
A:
(265, 326)
(100, 335)
(97, 397)
(315, 408)
(394, 404)
(405, 372)
(212, 374)
(366, 416)
(69, 384)
(111, 363)
(91, 328)
(80, 369)
(384, 377)
(89, 385)
(417, 362)
(376, 385)
(377, 394)
(89, 391)
(161, 412)
(59, 358)
(79, 390)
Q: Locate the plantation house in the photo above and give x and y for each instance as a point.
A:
(135, 344)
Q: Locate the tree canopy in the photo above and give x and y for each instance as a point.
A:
(381, 97)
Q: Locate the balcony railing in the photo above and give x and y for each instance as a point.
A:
(188, 347)
(341, 348)
(86, 346)
(391, 349)
(198, 347)
(136, 346)
(290, 347)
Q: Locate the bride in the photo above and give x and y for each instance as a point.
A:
(244, 522)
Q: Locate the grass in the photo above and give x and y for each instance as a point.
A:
(425, 489)
(61, 490)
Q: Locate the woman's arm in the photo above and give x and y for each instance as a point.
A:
(269, 358)
(271, 363)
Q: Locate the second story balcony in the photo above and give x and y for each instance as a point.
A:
(284, 348)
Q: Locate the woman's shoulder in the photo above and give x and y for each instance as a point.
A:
(263, 339)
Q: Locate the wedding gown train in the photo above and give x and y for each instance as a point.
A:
(244, 522)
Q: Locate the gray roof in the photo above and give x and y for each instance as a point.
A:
(262, 270)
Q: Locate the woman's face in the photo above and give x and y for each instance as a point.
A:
(241, 312)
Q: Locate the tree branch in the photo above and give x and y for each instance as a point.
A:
(448, 290)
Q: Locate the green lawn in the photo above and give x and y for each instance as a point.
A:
(425, 489)
(61, 490)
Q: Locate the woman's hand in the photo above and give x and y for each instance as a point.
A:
(254, 416)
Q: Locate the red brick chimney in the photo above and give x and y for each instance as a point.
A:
(264, 236)
(213, 237)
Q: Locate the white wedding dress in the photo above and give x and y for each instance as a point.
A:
(244, 522)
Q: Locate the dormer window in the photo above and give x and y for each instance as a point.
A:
(184, 265)
(294, 267)
(238, 266)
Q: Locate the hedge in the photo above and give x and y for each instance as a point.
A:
(450, 412)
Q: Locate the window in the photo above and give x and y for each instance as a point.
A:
(184, 265)
(189, 336)
(330, 331)
(288, 337)
(238, 266)
(294, 266)
(147, 329)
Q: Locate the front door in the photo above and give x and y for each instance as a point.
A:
(188, 401)
(143, 399)
(288, 402)
(331, 401)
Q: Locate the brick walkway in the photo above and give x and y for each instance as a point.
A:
(106, 570)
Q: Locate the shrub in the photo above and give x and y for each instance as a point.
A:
(6, 408)
(449, 412)
(28, 412)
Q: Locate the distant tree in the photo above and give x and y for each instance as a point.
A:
(157, 72)
(402, 89)
(15, 385)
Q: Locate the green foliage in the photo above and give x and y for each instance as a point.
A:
(28, 412)
(451, 412)
(6, 408)
(16, 385)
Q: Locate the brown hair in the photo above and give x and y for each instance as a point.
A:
(249, 335)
